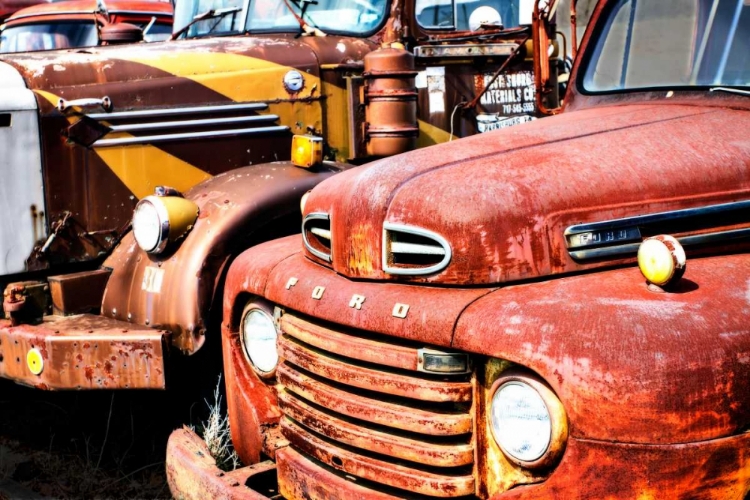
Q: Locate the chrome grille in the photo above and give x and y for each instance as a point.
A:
(359, 405)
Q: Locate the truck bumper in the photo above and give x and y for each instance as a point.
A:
(193, 475)
(716, 469)
(85, 351)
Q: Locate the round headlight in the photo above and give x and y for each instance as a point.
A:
(258, 333)
(521, 421)
(151, 225)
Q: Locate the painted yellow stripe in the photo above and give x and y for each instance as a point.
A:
(143, 167)
(238, 77)
(430, 135)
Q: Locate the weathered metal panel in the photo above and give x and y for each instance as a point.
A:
(629, 364)
(193, 475)
(83, 352)
(236, 209)
(503, 205)
(711, 470)
(21, 190)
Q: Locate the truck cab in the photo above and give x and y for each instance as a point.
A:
(72, 24)
(554, 310)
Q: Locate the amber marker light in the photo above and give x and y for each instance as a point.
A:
(307, 150)
(661, 260)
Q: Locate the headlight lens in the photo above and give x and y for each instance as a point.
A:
(259, 340)
(159, 220)
(521, 421)
(148, 225)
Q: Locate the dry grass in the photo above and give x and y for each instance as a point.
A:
(216, 433)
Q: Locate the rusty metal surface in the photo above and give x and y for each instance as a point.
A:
(503, 205)
(84, 352)
(711, 470)
(390, 102)
(251, 403)
(300, 477)
(236, 209)
(78, 293)
(193, 475)
(630, 365)
(88, 7)
(375, 469)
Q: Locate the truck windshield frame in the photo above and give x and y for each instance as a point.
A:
(461, 15)
(359, 18)
(644, 45)
(48, 36)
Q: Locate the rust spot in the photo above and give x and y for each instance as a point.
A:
(113, 358)
(79, 357)
(86, 345)
(89, 373)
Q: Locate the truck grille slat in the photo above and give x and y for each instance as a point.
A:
(378, 411)
(450, 454)
(368, 350)
(395, 475)
(390, 383)
(358, 403)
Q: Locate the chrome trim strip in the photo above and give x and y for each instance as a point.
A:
(154, 113)
(193, 123)
(416, 249)
(469, 50)
(641, 220)
(316, 216)
(322, 233)
(418, 271)
(632, 248)
(188, 135)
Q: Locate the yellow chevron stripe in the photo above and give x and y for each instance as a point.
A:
(236, 76)
(143, 167)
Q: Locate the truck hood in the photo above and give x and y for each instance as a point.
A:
(501, 203)
(210, 70)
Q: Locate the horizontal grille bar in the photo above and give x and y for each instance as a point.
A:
(372, 410)
(450, 454)
(343, 372)
(397, 476)
(367, 350)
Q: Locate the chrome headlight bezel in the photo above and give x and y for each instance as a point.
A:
(163, 224)
(558, 422)
(250, 350)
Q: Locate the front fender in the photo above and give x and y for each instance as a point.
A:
(630, 365)
(237, 209)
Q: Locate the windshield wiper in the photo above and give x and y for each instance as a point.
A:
(209, 14)
(307, 28)
(730, 90)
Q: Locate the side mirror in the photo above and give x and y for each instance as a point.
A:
(120, 33)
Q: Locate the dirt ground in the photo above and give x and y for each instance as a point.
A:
(87, 445)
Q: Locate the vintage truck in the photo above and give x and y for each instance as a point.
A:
(178, 136)
(469, 321)
(84, 23)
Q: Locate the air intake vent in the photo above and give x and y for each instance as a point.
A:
(316, 234)
(412, 251)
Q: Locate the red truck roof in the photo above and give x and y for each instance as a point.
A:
(87, 7)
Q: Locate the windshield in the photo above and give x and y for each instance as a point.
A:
(351, 17)
(653, 43)
(58, 35)
(463, 15)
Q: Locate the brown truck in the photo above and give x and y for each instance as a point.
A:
(83, 23)
(191, 139)
(511, 316)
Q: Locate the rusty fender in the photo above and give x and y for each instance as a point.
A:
(629, 364)
(236, 209)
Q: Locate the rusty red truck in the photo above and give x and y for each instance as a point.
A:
(511, 316)
(84, 23)
(204, 146)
